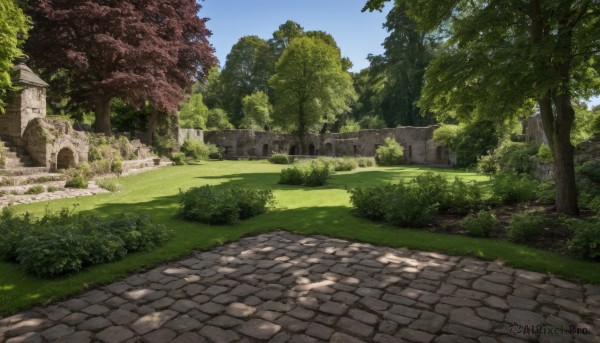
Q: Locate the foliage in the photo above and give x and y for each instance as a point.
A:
(195, 149)
(591, 170)
(193, 113)
(308, 173)
(544, 154)
(279, 159)
(524, 226)
(462, 196)
(116, 165)
(372, 122)
(35, 189)
(350, 126)
(371, 202)
(218, 120)
(447, 134)
(475, 139)
(257, 111)
(409, 206)
(510, 188)
(179, 158)
(224, 205)
(390, 154)
(13, 30)
(345, 164)
(61, 243)
(170, 48)
(110, 185)
(586, 239)
(311, 88)
(510, 157)
(215, 152)
(77, 181)
(479, 224)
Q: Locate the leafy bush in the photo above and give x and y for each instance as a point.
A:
(195, 149)
(51, 189)
(462, 196)
(546, 193)
(94, 154)
(544, 154)
(84, 169)
(510, 157)
(224, 205)
(77, 181)
(99, 167)
(509, 188)
(409, 206)
(117, 165)
(365, 162)
(178, 159)
(590, 170)
(345, 164)
(371, 202)
(389, 154)
(524, 226)
(279, 159)
(480, 224)
(110, 185)
(586, 238)
(308, 173)
(215, 153)
(35, 190)
(57, 244)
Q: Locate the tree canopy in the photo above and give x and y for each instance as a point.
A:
(257, 111)
(311, 87)
(14, 26)
(137, 51)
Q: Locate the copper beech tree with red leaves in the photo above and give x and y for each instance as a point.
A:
(135, 50)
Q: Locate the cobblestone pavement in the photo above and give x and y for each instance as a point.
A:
(280, 287)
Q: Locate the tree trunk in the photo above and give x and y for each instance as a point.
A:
(152, 122)
(302, 129)
(102, 115)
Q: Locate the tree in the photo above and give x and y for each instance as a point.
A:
(243, 74)
(310, 86)
(499, 55)
(193, 113)
(218, 120)
(137, 51)
(257, 111)
(13, 29)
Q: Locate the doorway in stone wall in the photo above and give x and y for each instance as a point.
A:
(328, 149)
(293, 150)
(65, 159)
(311, 150)
(265, 150)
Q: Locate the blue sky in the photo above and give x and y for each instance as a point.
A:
(358, 34)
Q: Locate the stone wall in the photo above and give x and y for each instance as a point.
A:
(418, 143)
(181, 134)
(533, 130)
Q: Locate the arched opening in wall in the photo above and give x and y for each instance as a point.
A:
(355, 149)
(293, 150)
(265, 150)
(311, 150)
(410, 152)
(65, 159)
(328, 149)
(438, 155)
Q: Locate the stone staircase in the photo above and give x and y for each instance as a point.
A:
(16, 160)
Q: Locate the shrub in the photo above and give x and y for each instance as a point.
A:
(100, 167)
(178, 159)
(524, 226)
(195, 149)
(77, 181)
(434, 187)
(590, 170)
(94, 154)
(371, 202)
(365, 162)
(586, 238)
(509, 188)
(215, 153)
(409, 206)
(546, 193)
(462, 196)
(110, 185)
(480, 224)
(510, 157)
(389, 154)
(279, 159)
(223, 205)
(544, 154)
(117, 165)
(51, 189)
(84, 169)
(345, 164)
(308, 173)
(35, 190)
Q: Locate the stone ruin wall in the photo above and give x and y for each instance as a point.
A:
(418, 143)
(22, 107)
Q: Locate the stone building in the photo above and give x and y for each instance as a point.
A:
(418, 143)
(31, 139)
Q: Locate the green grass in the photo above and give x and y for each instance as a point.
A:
(322, 210)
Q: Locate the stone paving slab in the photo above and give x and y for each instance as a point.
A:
(280, 287)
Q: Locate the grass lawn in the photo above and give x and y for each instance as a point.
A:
(322, 210)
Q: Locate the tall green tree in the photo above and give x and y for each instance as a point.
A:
(193, 113)
(501, 54)
(257, 111)
(14, 26)
(311, 87)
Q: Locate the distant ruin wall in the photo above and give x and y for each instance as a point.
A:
(418, 143)
(181, 134)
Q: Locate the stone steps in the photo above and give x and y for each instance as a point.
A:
(23, 171)
(15, 157)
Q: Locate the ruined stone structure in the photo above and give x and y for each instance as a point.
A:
(31, 139)
(418, 143)
(533, 130)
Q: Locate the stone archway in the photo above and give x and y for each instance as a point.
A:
(311, 150)
(65, 159)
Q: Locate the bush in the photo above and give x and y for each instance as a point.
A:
(463, 196)
(117, 165)
(215, 153)
(77, 181)
(36, 190)
(178, 159)
(84, 169)
(510, 157)
(308, 173)
(195, 149)
(100, 167)
(365, 162)
(279, 159)
(586, 238)
(110, 185)
(51, 189)
(345, 164)
(371, 202)
(94, 154)
(480, 224)
(224, 205)
(390, 154)
(590, 170)
(509, 188)
(524, 226)
(409, 206)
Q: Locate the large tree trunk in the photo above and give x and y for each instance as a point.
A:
(102, 115)
(152, 122)
(302, 130)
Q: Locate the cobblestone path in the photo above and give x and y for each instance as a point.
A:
(280, 287)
